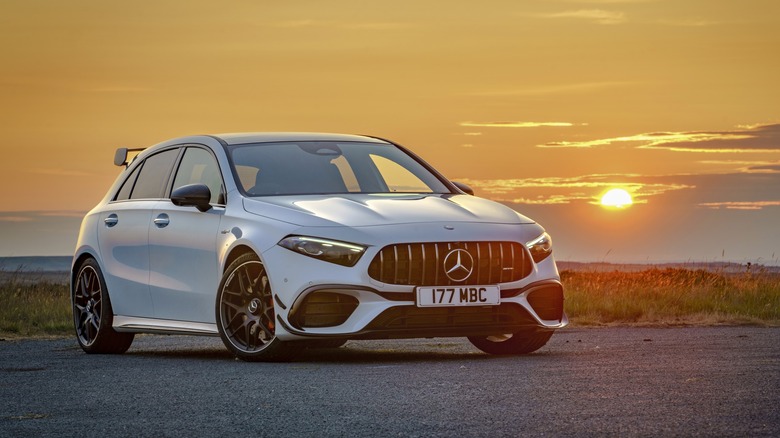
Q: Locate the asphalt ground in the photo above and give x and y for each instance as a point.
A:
(712, 381)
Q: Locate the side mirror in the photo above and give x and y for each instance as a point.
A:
(192, 195)
(464, 188)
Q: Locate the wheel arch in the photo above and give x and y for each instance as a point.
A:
(78, 260)
(237, 252)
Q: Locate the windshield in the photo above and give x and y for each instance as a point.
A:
(294, 168)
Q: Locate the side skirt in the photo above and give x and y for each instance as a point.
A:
(163, 326)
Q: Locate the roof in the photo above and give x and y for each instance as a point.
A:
(261, 137)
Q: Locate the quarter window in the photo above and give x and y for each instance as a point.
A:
(127, 186)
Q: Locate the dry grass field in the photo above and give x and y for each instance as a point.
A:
(672, 296)
(34, 304)
(37, 303)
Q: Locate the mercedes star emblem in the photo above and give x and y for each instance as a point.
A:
(458, 265)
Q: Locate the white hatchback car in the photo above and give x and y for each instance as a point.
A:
(281, 241)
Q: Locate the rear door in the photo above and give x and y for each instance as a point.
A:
(123, 233)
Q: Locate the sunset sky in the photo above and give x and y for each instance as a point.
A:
(541, 104)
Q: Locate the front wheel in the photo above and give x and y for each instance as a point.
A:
(246, 319)
(92, 313)
(522, 342)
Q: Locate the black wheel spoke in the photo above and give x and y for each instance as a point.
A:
(82, 288)
(95, 324)
(235, 307)
(247, 335)
(230, 292)
(253, 339)
(233, 320)
(267, 331)
(231, 332)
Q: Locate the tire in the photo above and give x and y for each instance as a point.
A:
(513, 344)
(245, 314)
(92, 313)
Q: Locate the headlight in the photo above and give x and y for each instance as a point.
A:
(540, 248)
(340, 253)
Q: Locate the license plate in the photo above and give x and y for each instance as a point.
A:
(452, 296)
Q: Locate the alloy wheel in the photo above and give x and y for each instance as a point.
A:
(88, 305)
(247, 308)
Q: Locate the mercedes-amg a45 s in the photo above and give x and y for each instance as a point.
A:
(282, 241)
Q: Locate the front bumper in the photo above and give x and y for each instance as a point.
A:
(539, 305)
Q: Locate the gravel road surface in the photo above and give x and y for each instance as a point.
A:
(719, 381)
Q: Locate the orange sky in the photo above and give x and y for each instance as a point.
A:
(541, 104)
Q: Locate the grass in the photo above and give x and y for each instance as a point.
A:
(33, 305)
(672, 297)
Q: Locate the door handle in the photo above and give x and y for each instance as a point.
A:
(111, 220)
(162, 220)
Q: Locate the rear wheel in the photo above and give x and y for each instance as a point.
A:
(522, 342)
(246, 319)
(92, 313)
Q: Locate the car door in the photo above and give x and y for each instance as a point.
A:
(184, 270)
(123, 234)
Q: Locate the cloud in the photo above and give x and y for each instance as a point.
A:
(377, 26)
(604, 2)
(520, 124)
(690, 22)
(745, 166)
(37, 216)
(757, 138)
(62, 213)
(58, 172)
(307, 23)
(120, 89)
(740, 205)
(4, 218)
(559, 190)
(584, 87)
(743, 191)
(293, 24)
(599, 16)
(767, 168)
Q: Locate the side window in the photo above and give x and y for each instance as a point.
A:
(127, 186)
(199, 166)
(153, 176)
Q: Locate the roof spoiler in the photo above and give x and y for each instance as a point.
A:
(120, 156)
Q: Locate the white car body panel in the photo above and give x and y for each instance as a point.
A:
(125, 255)
(184, 291)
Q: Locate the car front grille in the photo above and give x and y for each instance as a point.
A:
(422, 264)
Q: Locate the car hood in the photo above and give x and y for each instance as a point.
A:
(362, 210)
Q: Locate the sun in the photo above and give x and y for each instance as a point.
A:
(616, 198)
